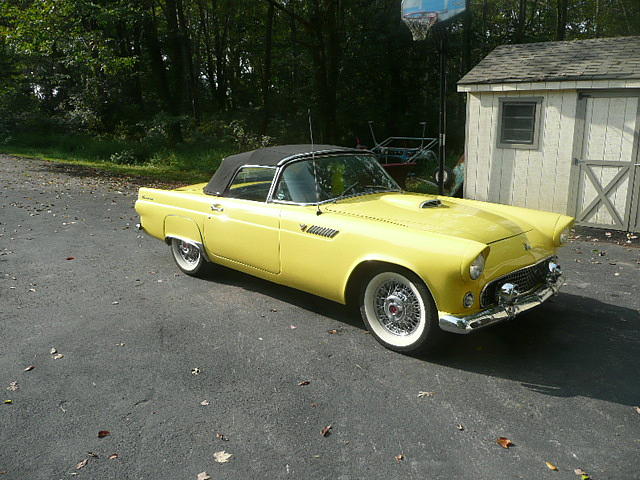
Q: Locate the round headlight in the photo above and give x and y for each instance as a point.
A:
(564, 236)
(477, 267)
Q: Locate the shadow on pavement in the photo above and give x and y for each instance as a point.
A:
(571, 346)
(305, 301)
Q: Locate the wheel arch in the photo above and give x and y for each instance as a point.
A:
(182, 228)
(366, 268)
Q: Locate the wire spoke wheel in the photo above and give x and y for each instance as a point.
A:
(187, 255)
(398, 310)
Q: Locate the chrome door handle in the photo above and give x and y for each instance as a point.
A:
(216, 207)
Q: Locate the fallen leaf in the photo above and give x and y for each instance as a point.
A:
(70, 258)
(637, 409)
(460, 427)
(82, 464)
(29, 368)
(303, 383)
(13, 386)
(203, 476)
(583, 475)
(399, 458)
(326, 431)
(222, 456)
(53, 351)
(113, 456)
(220, 436)
(504, 442)
(426, 394)
(103, 433)
(195, 371)
(58, 356)
(204, 403)
(551, 466)
(92, 454)
(8, 402)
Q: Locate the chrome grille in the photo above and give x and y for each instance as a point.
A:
(526, 279)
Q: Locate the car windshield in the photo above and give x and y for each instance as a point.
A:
(326, 179)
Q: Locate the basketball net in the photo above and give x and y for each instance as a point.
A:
(420, 23)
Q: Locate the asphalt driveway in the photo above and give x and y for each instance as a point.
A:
(177, 369)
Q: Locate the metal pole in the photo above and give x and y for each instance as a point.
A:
(443, 108)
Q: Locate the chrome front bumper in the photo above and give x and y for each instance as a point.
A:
(500, 313)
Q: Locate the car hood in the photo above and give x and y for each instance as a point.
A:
(453, 217)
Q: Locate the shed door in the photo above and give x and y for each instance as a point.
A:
(608, 164)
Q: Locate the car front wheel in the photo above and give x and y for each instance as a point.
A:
(187, 256)
(399, 311)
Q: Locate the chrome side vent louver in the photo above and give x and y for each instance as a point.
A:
(431, 203)
(322, 231)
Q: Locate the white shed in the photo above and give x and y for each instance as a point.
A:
(555, 126)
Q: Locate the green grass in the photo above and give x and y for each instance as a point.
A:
(190, 162)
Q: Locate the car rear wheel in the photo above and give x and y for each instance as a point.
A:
(399, 311)
(187, 256)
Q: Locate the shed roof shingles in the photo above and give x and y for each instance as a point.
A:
(615, 58)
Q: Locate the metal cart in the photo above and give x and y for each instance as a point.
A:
(399, 155)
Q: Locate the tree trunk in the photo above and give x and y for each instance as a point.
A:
(175, 54)
(187, 56)
(561, 24)
(266, 77)
(521, 21)
(150, 34)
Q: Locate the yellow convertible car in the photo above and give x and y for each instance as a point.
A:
(330, 221)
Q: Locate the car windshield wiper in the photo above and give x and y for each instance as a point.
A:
(345, 192)
(381, 188)
(367, 189)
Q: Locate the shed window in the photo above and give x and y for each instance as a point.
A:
(519, 123)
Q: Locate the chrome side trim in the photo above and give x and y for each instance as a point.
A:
(497, 314)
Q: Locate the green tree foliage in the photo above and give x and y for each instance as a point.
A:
(173, 68)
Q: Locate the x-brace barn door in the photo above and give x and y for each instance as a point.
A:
(608, 162)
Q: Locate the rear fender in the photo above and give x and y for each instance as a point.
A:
(183, 228)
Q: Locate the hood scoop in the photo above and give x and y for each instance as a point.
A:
(431, 203)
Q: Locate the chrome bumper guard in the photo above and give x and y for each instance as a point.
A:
(501, 313)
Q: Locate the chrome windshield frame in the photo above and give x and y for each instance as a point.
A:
(282, 166)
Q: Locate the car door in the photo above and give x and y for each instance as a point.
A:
(312, 245)
(241, 227)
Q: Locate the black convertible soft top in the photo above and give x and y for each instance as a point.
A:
(268, 157)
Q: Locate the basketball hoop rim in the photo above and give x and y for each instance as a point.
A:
(420, 15)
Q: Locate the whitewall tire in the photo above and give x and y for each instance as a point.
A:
(399, 311)
(187, 256)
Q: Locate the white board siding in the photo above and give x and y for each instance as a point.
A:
(471, 146)
(529, 178)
